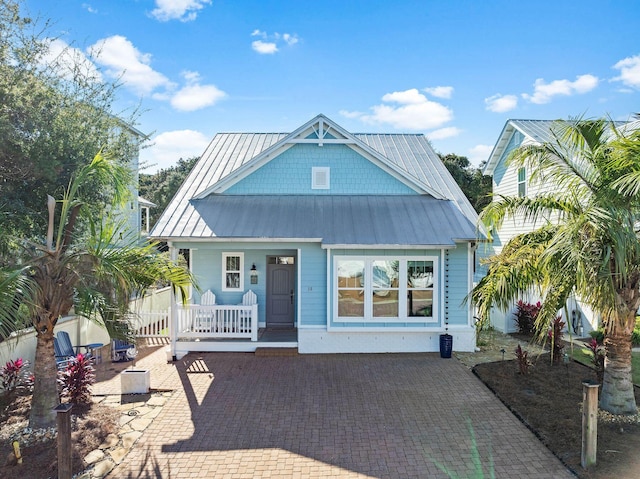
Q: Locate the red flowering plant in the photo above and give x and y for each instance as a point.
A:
(525, 316)
(15, 376)
(76, 380)
(597, 358)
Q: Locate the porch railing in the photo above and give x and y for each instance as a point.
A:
(217, 321)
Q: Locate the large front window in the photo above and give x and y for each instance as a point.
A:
(374, 288)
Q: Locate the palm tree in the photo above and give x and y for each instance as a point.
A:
(96, 273)
(584, 240)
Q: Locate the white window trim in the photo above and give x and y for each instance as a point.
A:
(225, 271)
(315, 170)
(368, 290)
(523, 182)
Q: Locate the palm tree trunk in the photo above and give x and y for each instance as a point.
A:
(617, 395)
(45, 390)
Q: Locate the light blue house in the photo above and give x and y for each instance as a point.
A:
(350, 242)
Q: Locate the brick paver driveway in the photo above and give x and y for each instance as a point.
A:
(384, 416)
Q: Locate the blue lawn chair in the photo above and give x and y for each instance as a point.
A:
(122, 350)
(63, 354)
(65, 343)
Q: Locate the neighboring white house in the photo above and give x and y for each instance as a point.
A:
(351, 243)
(509, 180)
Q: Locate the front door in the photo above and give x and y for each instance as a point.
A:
(281, 286)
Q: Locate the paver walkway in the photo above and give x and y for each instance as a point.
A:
(383, 416)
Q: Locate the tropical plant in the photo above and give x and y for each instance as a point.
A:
(524, 363)
(555, 337)
(584, 239)
(76, 380)
(525, 316)
(597, 358)
(96, 273)
(15, 375)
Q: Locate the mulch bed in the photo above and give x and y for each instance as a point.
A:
(548, 400)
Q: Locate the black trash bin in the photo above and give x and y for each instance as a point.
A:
(446, 345)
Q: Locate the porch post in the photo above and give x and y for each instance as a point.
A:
(254, 322)
(173, 313)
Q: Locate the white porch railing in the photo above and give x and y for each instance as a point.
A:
(217, 321)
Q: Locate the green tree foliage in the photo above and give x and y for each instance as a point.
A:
(80, 270)
(55, 112)
(476, 186)
(584, 240)
(161, 187)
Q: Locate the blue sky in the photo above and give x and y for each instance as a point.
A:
(453, 70)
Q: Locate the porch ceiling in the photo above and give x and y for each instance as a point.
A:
(336, 220)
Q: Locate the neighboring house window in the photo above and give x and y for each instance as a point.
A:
(320, 179)
(232, 271)
(522, 182)
(374, 289)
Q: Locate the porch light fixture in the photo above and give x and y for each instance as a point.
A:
(254, 274)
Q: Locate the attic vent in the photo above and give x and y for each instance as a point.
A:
(320, 178)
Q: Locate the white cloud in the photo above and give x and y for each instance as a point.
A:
(501, 103)
(68, 60)
(351, 114)
(409, 110)
(89, 8)
(125, 62)
(629, 71)
(195, 96)
(544, 92)
(269, 43)
(183, 10)
(168, 147)
(264, 48)
(443, 133)
(290, 39)
(440, 91)
(479, 153)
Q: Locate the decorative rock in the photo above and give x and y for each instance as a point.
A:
(130, 438)
(94, 456)
(157, 401)
(140, 424)
(102, 468)
(125, 419)
(118, 454)
(110, 441)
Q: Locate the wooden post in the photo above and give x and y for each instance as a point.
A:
(589, 423)
(64, 440)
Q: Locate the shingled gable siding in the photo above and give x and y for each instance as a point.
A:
(290, 173)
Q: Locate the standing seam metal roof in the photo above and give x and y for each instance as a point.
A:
(229, 151)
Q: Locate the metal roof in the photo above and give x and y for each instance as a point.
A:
(538, 131)
(395, 220)
(228, 153)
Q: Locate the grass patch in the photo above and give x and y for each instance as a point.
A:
(583, 355)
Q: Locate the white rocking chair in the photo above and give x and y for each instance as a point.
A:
(248, 299)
